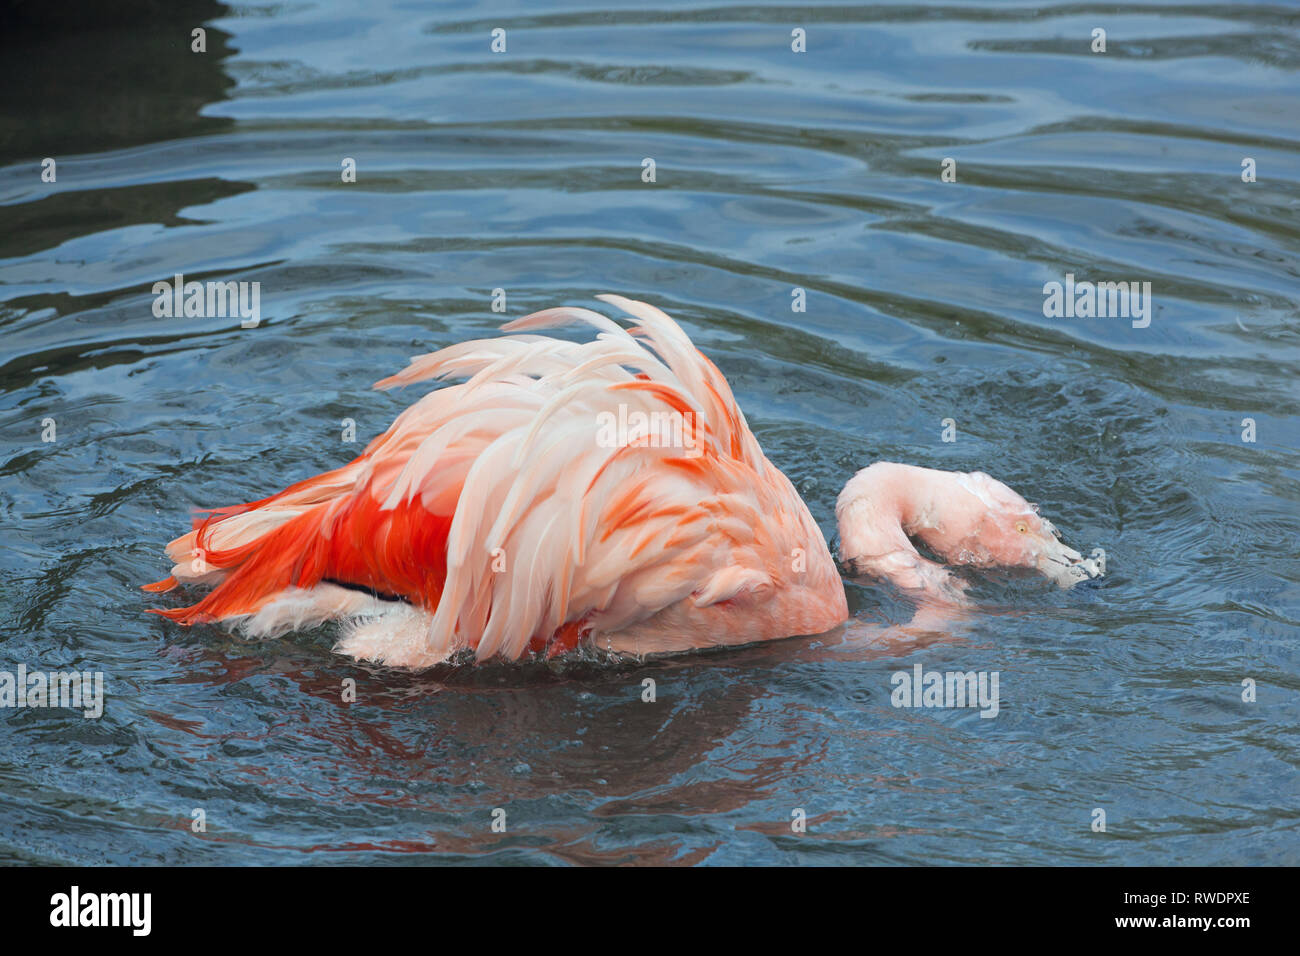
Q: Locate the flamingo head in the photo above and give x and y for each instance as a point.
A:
(980, 522)
(964, 518)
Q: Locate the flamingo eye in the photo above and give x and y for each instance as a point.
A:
(1022, 527)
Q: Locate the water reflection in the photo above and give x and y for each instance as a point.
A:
(83, 76)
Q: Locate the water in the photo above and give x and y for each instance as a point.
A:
(522, 171)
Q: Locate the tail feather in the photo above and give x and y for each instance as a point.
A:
(399, 552)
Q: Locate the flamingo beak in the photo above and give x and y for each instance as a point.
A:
(1063, 564)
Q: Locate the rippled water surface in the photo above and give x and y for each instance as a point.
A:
(774, 170)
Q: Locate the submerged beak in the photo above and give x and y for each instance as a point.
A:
(1064, 565)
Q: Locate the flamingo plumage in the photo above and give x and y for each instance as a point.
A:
(607, 491)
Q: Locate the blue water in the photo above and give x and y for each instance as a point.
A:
(774, 170)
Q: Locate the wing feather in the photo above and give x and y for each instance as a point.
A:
(492, 504)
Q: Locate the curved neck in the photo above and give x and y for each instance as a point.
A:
(881, 505)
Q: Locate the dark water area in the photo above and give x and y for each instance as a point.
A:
(775, 170)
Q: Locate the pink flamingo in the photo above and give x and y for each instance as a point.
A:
(607, 491)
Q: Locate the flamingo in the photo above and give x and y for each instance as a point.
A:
(605, 493)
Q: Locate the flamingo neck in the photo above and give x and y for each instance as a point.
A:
(882, 504)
